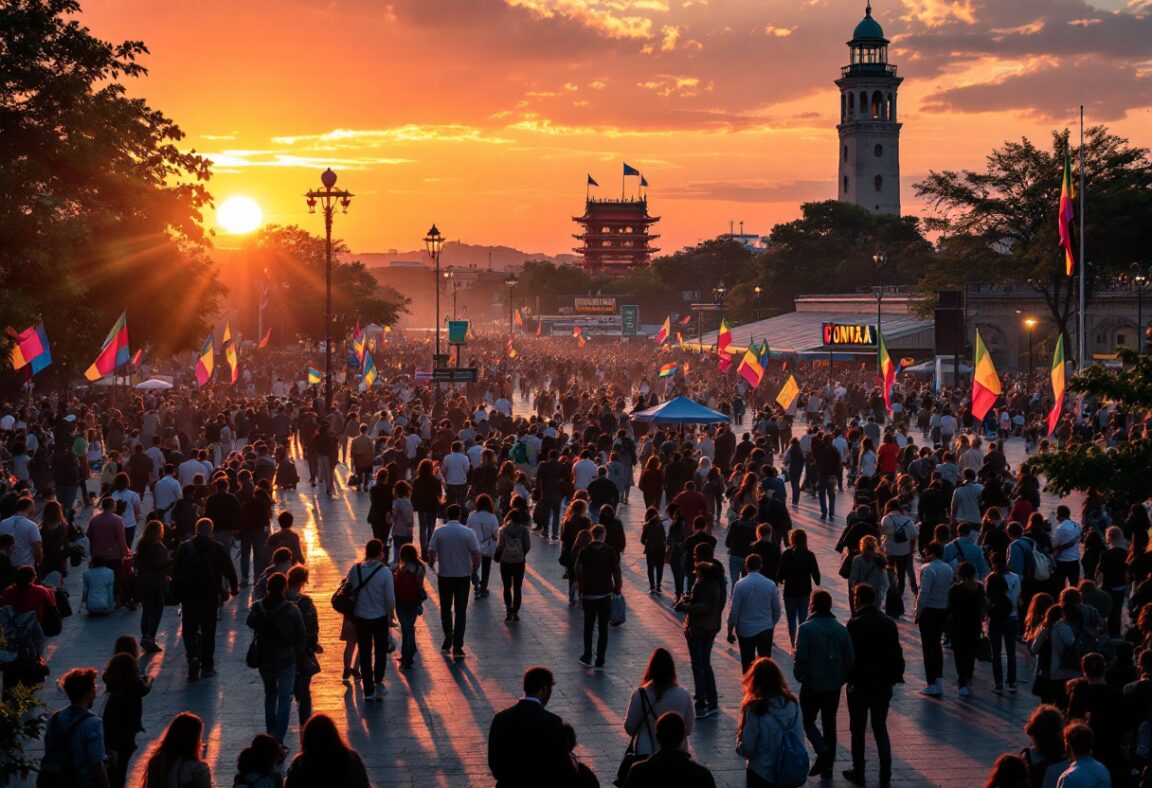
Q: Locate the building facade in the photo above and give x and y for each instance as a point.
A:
(869, 155)
(616, 235)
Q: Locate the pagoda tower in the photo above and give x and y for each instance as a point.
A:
(616, 235)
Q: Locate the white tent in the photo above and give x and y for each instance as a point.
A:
(153, 384)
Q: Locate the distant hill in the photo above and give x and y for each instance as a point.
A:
(461, 255)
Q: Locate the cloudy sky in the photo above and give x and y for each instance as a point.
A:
(485, 116)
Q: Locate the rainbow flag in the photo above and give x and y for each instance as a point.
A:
(1066, 213)
(985, 381)
(1058, 362)
(113, 353)
(314, 376)
(887, 369)
(750, 368)
(230, 353)
(369, 375)
(358, 344)
(723, 337)
(205, 362)
(668, 370)
(788, 393)
(31, 348)
(665, 331)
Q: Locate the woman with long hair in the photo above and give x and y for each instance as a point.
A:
(747, 494)
(410, 595)
(53, 541)
(797, 574)
(768, 711)
(967, 608)
(175, 761)
(868, 566)
(153, 566)
(325, 758)
(380, 506)
(427, 495)
(866, 459)
(655, 540)
(484, 524)
(123, 713)
(128, 505)
(651, 482)
(1049, 645)
(512, 546)
(657, 694)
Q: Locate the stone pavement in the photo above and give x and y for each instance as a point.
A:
(431, 728)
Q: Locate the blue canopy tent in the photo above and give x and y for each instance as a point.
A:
(680, 411)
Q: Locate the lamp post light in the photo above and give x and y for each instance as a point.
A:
(879, 259)
(1140, 282)
(434, 242)
(453, 285)
(328, 198)
(1031, 324)
(719, 290)
(511, 281)
(757, 290)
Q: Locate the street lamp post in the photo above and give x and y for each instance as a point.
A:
(434, 242)
(757, 290)
(719, 292)
(1140, 282)
(328, 198)
(453, 285)
(1031, 323)
(878, 260)
(511, 281)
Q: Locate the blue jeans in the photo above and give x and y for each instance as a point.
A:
(427, 522)
(397, 543)
(796, 609)
(827, 491)
(303, 693)
(1003, 633)
(700, 652)
(252, 544)
(736, 567)
(279, 685)
(407, 615)
(552, 505)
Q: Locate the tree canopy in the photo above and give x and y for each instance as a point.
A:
(102, 209)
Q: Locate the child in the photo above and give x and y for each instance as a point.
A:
(286, 537)
(99, 588)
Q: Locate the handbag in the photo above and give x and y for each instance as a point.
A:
(63, 602)
(630, 756)
(983, 649)
(344, 600)
(618, 610)
(845, 570)
(893, 602)
(311, 665)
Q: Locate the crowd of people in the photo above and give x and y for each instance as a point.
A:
(171, 498)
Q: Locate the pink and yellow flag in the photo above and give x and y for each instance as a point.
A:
(1067, 195)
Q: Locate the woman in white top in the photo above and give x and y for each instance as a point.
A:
(487, 529)
(657, 694)
(133, 511)
(867, 463)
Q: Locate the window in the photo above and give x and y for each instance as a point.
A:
(877, 105)
(879, 182)
(845, 153)
(845, 184)
(879, 151)
(851, 103)
(1122, 339)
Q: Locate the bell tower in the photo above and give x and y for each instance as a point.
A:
(869, 155)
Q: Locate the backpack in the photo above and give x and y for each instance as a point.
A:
(900, 532)
(791, 766)
(57, 769)
(409, 589)
(1043, 565)
(519, 453)
(21, 634)
(344, 600)
(513, 548)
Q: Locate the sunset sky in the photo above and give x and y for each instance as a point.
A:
(485, 116)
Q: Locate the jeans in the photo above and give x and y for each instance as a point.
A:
(198, 628)
(865, 702)
(407, 615)
(904, 571)
(512, 576)
(735, 567)
(152, 610)
(427, 522)
(825, 703)
(252, 549)
(1003, 633)
(1067, 570)
(303, 692)
(596, 614)
(397, 543)
(758, 645)
(700, 652)
(796, 610)
(932, 623)
(455, 494)
(655, 570)
(279, 686)
(552, 504)
(827, 491)
(66, 495)
(964, 654)
(481, 576)
(794, 481)
(372, 641)
(453, 592)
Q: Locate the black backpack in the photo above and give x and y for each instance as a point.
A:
(57, 768)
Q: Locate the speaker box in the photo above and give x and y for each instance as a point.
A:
(949, 332)
(950, 299)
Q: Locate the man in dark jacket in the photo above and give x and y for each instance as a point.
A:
(550, 476)
(829, 466)
(597, 571)
(602, 491)
(202, 577)
(704, 606)
(526, 744)
(725, 448)
(878, 666)
(223, 509)
(670, 766)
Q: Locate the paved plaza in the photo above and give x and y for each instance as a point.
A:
(432, 727)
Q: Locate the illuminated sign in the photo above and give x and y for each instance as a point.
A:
(849, 334)
(594, 305)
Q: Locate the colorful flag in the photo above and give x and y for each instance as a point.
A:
(31, 348)
(938, 378)
(581, 341)
(725, 361)
(205, 362)
(314, 376)
(887, 369)
(686, 319)
(723, 337)
(113, 353)
(985, 381)
(511, 350)
(680, 340)
(789, 393)
(230, 353)
(136, 358)
(668, 370)
(369, 375)
(630, 170)
(665, 331)
(592, 181)
(518, 318)
(643, 182)
(539, 328)
(1057, 385)
(765, 354)
(264, 342)
(1066, 213)
(358, 344)
(750, 368)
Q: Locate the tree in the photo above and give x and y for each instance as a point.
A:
(1119, 473)
(702, 267)
(294, 262)
(539, 277)
(1000, 225)
(102, 210)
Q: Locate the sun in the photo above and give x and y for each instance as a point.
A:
(239, 215)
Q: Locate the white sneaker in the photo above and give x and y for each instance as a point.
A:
(932, 690)
(381, 691)
(964, 692)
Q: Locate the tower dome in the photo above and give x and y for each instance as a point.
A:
(868, 29)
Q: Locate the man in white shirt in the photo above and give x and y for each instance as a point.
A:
(454, 468)
(156, 454)
(188, 469)
(754, 611)
(27, 548)
(375, 605)
(1084, 771)
(584, 471)
(503, 406)
(932, 616)
(1066, 547)
(454, 551)
(168, 491)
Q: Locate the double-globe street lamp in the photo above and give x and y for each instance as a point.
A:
(1140, 281)
(328, 198)
(434, 242)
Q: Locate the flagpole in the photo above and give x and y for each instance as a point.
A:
(1083, 263)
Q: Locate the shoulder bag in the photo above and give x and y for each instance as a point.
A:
(630, 756)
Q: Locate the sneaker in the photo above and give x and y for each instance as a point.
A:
(932, 691)
(999, 690)
(458, 653)
(651, 589)
(964, 692)
(446, 646)
(207, 674)
(707, 711)
(381, 690)
(1012, 687)
(150, 647)
(585, 661)
(369, 696)
(599, 665)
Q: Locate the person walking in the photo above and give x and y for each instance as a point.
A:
(427, 494)
(670, 766)
(868, 566)
(878, 666)
(1066, 548)
(966, 612)
(153, 565)
(325, 758)
(655, 541)
(658, 694)
(408, 579)
(297, 579)
(768, 712)
(454, 552)
(754, 612)
(932, 616)
(512, 547)
(375, 605)
(177, 758)
(597, 572)
(123, 713)
(75, 730)
(402, 518)
(281, 650)
(1002, 592)
(898, 542)
(203, 578)
(703, 607)
(484, 524)
(823, 658)
(797, 573)
(526, 743)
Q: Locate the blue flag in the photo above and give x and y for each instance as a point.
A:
(592, 181)
(643, 181)
(630, 170)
